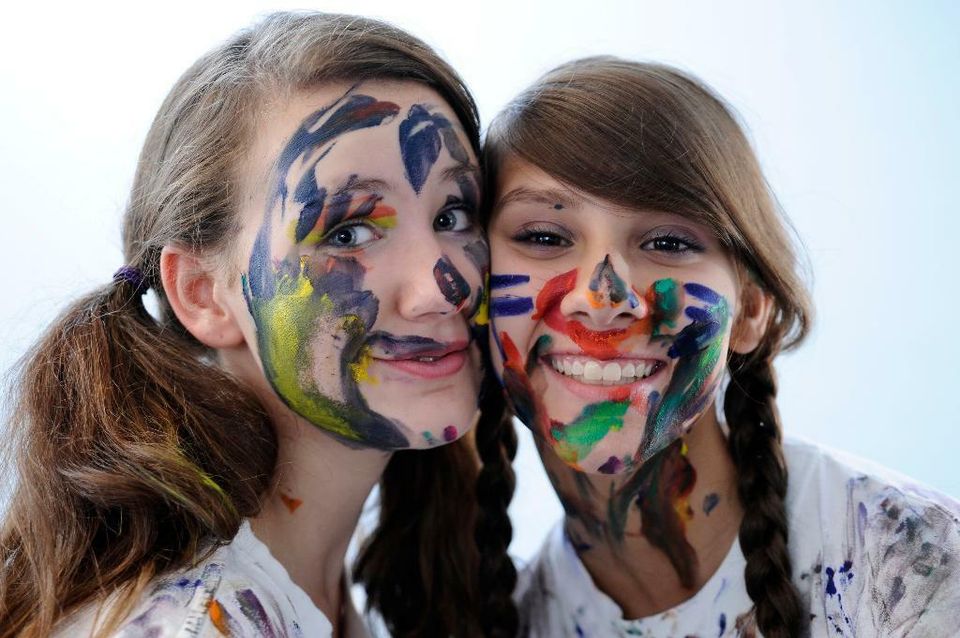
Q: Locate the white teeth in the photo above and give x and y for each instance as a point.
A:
(611, 372)
(592, 371)
(427, 359)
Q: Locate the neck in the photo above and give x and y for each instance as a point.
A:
(311, 510)
(652, 538)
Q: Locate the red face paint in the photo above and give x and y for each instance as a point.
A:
(601, 344)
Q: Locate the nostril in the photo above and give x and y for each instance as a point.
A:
(607, 288)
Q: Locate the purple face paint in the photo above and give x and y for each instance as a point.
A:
(453, 286)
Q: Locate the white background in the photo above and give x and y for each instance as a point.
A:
(853, 108)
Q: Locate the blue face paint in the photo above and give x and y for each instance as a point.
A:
(510, 306)
(453, 286)
(422, 135)
(507, 281)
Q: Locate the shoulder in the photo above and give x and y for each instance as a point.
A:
(224, 595)
(556, 597)
(875, 551)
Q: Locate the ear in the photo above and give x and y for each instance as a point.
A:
(751, 323)
(196, 296)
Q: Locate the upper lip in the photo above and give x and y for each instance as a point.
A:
(399, 347)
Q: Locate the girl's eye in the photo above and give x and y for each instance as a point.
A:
(453, 220)
(671, 244)
(351, 236)
(542, 238)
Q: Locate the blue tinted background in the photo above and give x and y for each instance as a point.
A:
(853, 109)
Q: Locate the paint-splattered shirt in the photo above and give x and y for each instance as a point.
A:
(872, 553)
(240, 590)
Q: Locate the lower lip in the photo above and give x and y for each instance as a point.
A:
(444, 366)
(599, 392)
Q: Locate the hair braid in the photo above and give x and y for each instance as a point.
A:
(755, 444)
(497, 446)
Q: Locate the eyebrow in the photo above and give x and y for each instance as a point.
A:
(547, 196)
(461, 170)
(354, 183)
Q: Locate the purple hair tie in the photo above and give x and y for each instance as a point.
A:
(133, 276)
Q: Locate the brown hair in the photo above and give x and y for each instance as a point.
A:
(649, 136)
(134, 452)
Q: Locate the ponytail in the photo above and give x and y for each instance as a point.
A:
(132, 457)
(755, 444)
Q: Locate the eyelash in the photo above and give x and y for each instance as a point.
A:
(328, 239)
(542, 237)
(468, 211)
(688, 243)
(454, 205)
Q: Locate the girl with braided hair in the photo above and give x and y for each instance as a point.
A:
(640, 273)
(306, 210)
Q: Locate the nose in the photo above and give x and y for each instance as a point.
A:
(604, 299)
(434, 285)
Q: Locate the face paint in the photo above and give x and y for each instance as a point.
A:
(422, 135)
(291, 503)
(633, 310)
(454, 287)
(307, 284)
(692, 356)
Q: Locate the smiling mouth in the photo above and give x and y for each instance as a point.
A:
(590, 371)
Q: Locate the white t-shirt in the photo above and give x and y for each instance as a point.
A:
(872, 555)
(241, 590)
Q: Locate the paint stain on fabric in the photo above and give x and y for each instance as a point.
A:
(290, 502)
(218, 617)
(253, 610)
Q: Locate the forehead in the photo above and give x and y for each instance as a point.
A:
(374, 149)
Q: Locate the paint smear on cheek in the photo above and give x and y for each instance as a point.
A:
(527, 404)
(450, 433)
(453, 286)
(290, 502)
(697, 350)
(505, 304)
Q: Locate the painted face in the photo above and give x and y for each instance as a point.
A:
(364, 269)
(609, 328)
